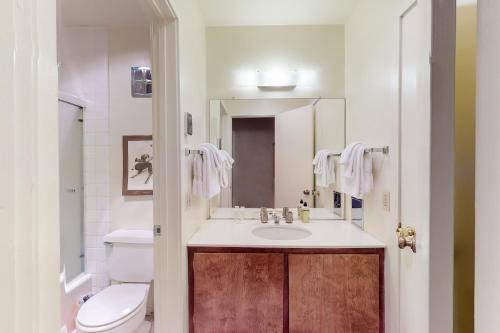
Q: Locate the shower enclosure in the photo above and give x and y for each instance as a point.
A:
(71, 195)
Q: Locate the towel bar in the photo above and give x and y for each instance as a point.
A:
(188, 151)
(383, 150)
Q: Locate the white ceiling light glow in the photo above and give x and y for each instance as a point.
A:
(277, 78)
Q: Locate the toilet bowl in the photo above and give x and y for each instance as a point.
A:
(116, 309)
(121, 307)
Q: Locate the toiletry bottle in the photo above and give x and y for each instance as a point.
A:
(305, 213)
(299, 209)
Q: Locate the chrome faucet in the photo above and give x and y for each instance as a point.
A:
(276, 218)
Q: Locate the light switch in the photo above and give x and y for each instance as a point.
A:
(387, 201)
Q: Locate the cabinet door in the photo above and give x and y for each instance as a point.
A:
(334, 293)
(237, 292)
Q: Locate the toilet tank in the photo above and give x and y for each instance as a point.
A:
(130, 255)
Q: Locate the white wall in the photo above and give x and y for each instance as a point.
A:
(83, 72)
(372, 49)
(127, 116)
(234, 54)
(487, 283)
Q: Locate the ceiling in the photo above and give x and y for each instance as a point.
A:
(275, 12)
(108, 13)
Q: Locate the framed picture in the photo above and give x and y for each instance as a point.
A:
(137, 165)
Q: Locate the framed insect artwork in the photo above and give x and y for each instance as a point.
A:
(137, 165)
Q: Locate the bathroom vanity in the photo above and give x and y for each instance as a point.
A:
(324, 276)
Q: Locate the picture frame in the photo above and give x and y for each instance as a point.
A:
(137, 165)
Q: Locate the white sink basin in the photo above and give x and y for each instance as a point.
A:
(281, 232)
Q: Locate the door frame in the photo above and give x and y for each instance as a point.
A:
(168, 292)
(442, 185)
(29, 202)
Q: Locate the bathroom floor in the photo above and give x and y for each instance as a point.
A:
(147, 327)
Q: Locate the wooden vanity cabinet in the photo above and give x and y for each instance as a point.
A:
(334, 293)
(238, 292)
(255, 290)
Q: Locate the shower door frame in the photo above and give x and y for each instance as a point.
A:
(81, 104)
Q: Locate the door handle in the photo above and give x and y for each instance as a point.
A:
(407, 237)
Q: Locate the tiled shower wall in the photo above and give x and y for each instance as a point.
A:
(84, 74)
(97, 216)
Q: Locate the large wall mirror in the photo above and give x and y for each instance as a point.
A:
(273, 143)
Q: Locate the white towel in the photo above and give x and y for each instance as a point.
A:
(324, 168)
(210, 171)
(206, 168)
(227, 164)
(357, 176)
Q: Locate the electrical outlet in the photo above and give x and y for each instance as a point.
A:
(387, 201)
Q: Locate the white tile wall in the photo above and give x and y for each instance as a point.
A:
(97, 221)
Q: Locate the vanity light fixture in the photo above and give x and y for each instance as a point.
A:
(277, 79)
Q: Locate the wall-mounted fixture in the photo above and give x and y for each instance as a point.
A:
(277, 79)
(141, 82)
(188, 123)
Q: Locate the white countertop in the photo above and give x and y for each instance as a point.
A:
(324, 234)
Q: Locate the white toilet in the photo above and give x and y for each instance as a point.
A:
(121, 307)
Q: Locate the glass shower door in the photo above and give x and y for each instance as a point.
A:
(71, 189)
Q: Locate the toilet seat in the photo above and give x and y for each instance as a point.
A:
(112, 307)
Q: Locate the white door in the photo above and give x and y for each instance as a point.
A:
(415, 165)
(294, 152)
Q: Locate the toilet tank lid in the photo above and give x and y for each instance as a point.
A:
(129, 236)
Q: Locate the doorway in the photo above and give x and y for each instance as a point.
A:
(253, 175)
(99, 49)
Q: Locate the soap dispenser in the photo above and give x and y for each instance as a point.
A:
(305, 213)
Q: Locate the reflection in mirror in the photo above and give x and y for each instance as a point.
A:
(338, 208)
(357, 212)
(71, 189)
(273, 143)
